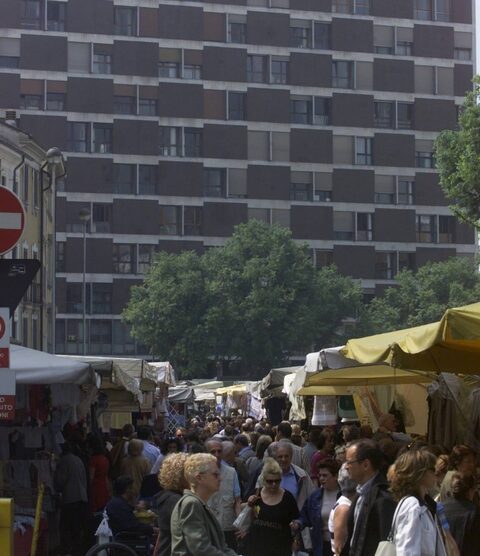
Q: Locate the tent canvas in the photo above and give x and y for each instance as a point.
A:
(38, 367)
(450, 345)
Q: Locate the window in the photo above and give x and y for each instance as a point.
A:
(444, 79)
(214, 182)
(426, 228)
(124, 104)
(404, 115)
(404, 48)
(170, 141)
(322, 36)
(425, 80)
(280, 146)
(123, 342)
(301, 110)
(463, 53)
(101, 218)
(101, 295)
(123, 258)
(56, 16)
(364, 226)
(147, 106)
(237, 183)
(168, 69)
(385, 265)
(78, 137)
(192, 221)
(74, 300)
(30, 14)
(192, 71)
(170, 220)
(364, 76)
(301, 186)
(343, 149)
(237, 29)
(261, 214)
(102, 59)
(124, 178)
(442, 10)
(236, 105)
(406, 260)
(424, 154)
(322, 187)
(363, 151)
(322, 111)
(384, 114)
(100, 337)
(343, 225)
(385, 189)
(404, 39)
(383, 39)
(463, 45)
(60, 256)
(322, 258)
(281, 217)
(279, 70)
(125, 20)
(147, 179)
(300, 34)
(361, 7)
(56, 101)
(31, 102)
(193, 141)
(102, 138)
(258, 145)
(342, 6)
(423, 9)
(342, 74)
(405, 191)
(446, 229)
(256, 67)
(146, 253)
(9, 52)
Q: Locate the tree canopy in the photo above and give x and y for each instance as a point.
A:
(423, 296)
(458, 160)
(254, 300)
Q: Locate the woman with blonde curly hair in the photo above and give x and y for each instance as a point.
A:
(195, 529)
(415, 529)
(172, 480)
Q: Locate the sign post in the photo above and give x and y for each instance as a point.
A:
(7, 375)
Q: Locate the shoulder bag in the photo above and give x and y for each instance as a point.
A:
(388, 548)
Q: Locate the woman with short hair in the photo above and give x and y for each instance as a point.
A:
(415, 529)
(195, 530)
(274, 509)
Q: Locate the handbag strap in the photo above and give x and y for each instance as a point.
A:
(391, 535)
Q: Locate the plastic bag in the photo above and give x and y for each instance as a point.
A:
(244, 519)
(104, 533)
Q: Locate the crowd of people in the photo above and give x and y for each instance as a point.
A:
(237, 486)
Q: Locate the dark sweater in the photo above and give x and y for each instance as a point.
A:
(121, 517)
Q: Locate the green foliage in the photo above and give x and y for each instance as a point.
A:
(458, 160)
(423, 297)
(254, 300)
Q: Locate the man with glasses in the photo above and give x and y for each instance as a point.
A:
(226, 503)
(371, 513)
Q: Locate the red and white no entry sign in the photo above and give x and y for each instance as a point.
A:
(12, 220)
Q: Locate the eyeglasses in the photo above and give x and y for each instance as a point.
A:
(273, 481)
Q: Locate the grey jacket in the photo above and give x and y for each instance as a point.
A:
(195, 530)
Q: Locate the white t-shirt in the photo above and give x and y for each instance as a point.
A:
(342, 501)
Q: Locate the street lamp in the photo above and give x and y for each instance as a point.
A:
(84, 215)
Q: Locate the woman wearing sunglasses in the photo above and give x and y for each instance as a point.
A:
(273, 509)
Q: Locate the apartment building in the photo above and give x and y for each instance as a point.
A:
(180, 119)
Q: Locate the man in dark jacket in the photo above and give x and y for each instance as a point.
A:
(371, 513)
(120, 511)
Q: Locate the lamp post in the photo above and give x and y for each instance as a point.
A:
(84, 215)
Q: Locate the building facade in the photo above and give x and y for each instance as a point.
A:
(21, 161)
(181, 119)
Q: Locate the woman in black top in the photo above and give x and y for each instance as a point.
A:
(273, 509)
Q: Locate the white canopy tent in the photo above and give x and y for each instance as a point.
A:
(37, 367)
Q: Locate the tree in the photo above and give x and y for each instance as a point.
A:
(252, 301)
(424, 296)
(458, 160)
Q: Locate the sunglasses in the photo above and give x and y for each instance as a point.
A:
(273, 481)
